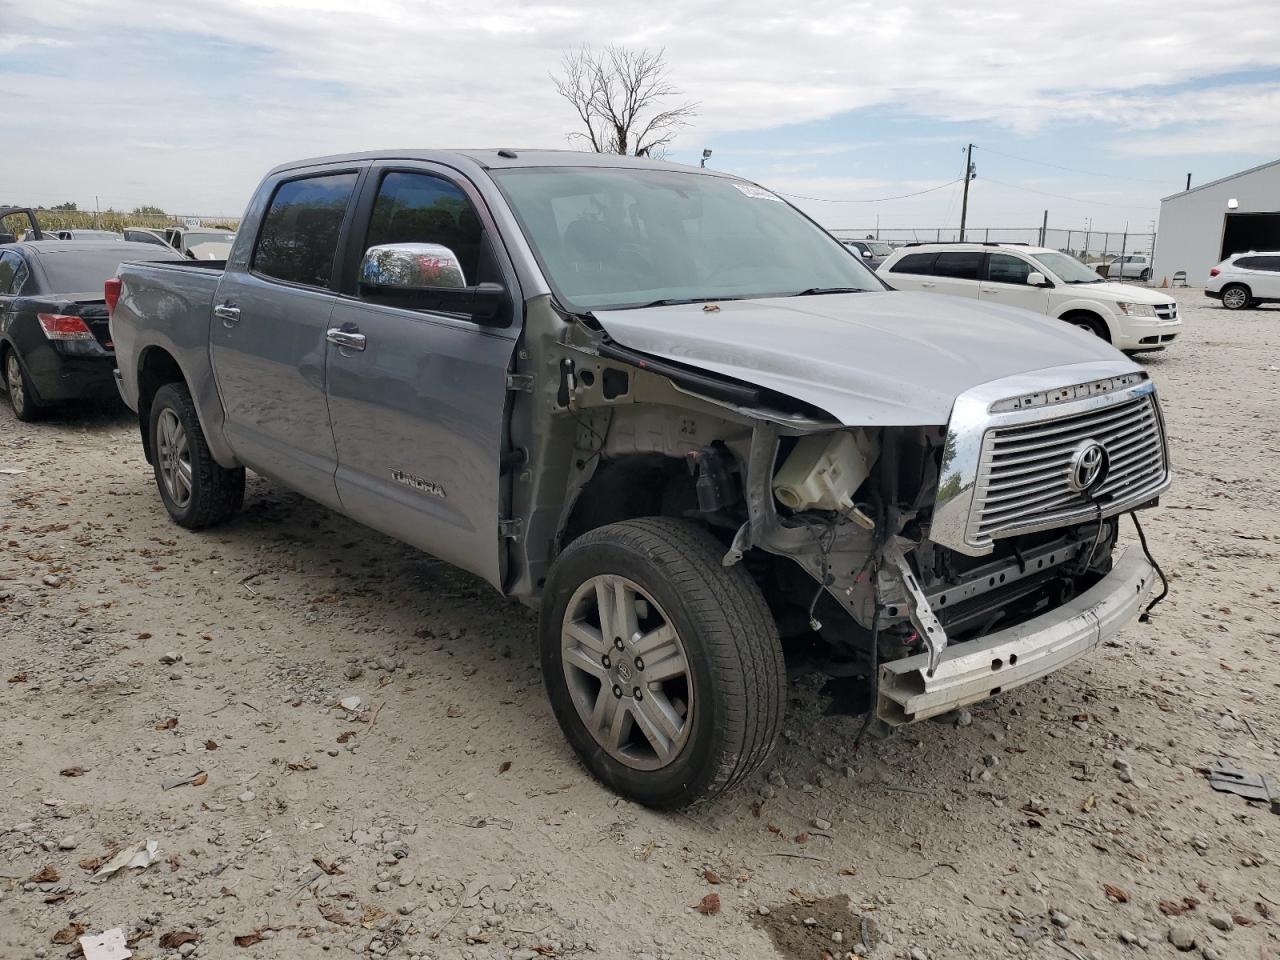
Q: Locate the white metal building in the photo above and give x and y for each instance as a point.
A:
(1201, 226)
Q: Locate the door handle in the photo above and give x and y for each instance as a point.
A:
(927, 284)
(228, 314)
(347, 339)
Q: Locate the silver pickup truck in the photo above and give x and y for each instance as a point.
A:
(675, 414)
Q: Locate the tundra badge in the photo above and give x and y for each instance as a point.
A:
(418, 483)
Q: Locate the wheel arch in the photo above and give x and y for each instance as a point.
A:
(1091, 314)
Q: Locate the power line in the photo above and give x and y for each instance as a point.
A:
(796, 196)
(1063, 196)
(1057, 166)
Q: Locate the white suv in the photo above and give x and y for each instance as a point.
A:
(1245, 280)
(1039, 279)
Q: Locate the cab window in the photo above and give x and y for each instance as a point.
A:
(916, 263)
(1004, 268)
(420, 208)
(299, 236)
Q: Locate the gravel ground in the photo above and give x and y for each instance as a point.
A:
(442, 815)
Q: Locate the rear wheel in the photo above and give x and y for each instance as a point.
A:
(663, 666)
(1145, 275)
(1235, 296)
(23, 401)
(197, 491)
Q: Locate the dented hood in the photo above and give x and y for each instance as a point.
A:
(889, 359)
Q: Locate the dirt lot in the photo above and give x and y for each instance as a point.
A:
(444, 816)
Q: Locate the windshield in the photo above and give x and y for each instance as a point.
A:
(1067, 268)
(614, 238)
(879, 248)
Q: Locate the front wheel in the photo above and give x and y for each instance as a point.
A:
(662, 665)
(1145, 275)
(1235, 297)
(197, 491)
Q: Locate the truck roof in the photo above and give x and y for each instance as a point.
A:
(503, 158)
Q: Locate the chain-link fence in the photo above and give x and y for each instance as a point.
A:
(1091, 246)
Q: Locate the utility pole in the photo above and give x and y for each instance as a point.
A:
(968, 175)
(97, 213)
(1044, 227)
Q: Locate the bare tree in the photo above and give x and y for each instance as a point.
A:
(620, 97)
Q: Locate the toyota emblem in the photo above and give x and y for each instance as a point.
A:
(1088, 467)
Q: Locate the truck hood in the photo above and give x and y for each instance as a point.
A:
(887, 359)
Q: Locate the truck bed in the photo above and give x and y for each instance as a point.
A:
(164, 311)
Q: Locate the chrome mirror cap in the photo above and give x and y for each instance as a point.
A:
(412, 266)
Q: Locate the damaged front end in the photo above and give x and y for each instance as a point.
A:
(967, 559)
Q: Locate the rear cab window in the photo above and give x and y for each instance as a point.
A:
(298, 240)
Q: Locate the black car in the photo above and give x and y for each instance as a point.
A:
(55, 344)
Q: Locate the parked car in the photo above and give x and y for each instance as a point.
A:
(671, 411)
(199, 243)
(1245, 280)
(1135, 266)
(147, 235)
(1134, 319)
(19, 223)
(54, 340)
(99, 235)
(873, 252)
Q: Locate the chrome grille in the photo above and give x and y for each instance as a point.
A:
(1167, 311)
(1023, 470)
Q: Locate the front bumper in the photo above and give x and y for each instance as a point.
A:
(977, 669)
(1146, 333)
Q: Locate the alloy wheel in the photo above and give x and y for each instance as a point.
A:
(174, 456)
(1234, 298)
(13, 375)
(627, 672)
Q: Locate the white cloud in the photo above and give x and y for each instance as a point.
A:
(329, 75)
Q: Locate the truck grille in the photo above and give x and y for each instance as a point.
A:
(1167, 311)
(1023, 473)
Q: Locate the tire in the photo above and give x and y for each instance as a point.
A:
(1145, 275)
(18, 389)
(1087, 321)
(196, 490)
(1236, 296)
(722, 714)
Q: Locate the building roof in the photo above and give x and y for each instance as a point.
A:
(1214, 183)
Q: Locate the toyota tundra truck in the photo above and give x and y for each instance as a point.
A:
(673, 413)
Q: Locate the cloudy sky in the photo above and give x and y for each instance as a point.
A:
(1092, 110)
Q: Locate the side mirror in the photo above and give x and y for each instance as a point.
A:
(1036, 279)
(866, 254)
(427, 276)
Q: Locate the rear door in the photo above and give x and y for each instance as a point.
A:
(418, 406)
(1006, 282)
(957, 272)
(267, 333)
(1262, 274)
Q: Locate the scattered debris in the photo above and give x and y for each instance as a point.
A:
(108, 945)
(1254, 786)
(176, 938)
(68, 935)
(48, 875)
(196, 779)
(141, 854)
(709, 905)
(249, 939)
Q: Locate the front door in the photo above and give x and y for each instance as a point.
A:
(268, 336)
(417, 396)
(1006, 282)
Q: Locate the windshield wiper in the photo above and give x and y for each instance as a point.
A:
(819, 291)
(676, 301)
(1099, 280)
